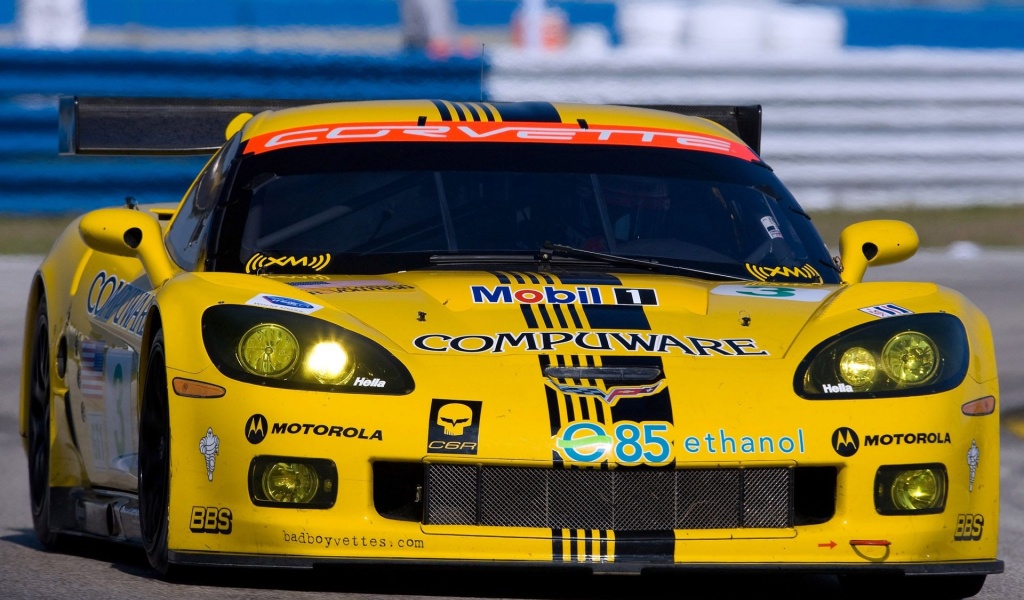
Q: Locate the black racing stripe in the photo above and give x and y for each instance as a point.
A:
(645, 546)
(518, 277)
(556, 545)
(574, 536)
(533, 112)
(460, 113)
(604, 543)
(442, 108)
(618, 318)
(548, 279)
(486, 110)
(532, 277)
(574, 314)
(588, 549)
(502, 278)
(559, 314)
(531, 321)
(543, 310)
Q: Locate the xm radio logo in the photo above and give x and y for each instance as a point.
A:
(262, 261)
(611, 395)
(845, 442)
(773, 273)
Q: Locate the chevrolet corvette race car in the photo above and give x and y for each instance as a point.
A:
(505, 334)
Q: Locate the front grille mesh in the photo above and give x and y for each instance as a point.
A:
(620, 499)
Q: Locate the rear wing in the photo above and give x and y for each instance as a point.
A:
(162, 126)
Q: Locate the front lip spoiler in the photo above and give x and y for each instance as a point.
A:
(640, 566)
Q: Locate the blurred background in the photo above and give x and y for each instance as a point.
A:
(869, 105)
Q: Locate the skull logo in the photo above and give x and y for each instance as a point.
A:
(454, 418)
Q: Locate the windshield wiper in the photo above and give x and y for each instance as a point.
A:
(625, 261)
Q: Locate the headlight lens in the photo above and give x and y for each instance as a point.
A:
(328, 362)
(858, 367)
(293, 482)
(277, 348)
(290, 482)
(268, 350)
(910, 357)
(896, 356)
(910, 489)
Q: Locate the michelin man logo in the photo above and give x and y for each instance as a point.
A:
(209, 447)
(972, 462)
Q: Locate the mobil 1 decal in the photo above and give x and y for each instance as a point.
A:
(454, 427)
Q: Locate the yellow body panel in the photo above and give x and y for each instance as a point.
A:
(728, 360)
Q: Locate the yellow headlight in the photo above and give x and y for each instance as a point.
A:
(917, 489)
(857, 367)
(289, 482)
(268, 350)
(329, 363)
(910, 357)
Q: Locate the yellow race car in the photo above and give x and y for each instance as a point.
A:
(503, 334)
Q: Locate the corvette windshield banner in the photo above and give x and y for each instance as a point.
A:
(567, 133)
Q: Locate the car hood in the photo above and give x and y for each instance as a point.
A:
(478, 312)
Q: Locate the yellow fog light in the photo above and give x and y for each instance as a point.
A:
(857, 367)
(910, 357)
(917, 489)
(289, 482)
(268, 350)
(329, 363)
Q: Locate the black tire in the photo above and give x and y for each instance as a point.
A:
(39, 403)
(933, 587)
(155, 459)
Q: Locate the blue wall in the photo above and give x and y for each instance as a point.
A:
(36, 180)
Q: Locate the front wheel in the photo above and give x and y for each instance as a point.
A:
(39, 428)
(155, 458)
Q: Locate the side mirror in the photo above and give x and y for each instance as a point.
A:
(128, 232)
(873, 243)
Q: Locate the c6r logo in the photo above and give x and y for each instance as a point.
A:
(627, 442)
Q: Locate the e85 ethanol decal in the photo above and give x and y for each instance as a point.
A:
(625, 442)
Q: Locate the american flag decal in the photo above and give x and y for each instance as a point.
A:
(887, 310)
(91, 381)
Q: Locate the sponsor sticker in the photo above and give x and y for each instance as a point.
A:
(624, 442)
(209, 447)
(764, 273)
(730, 443)
(550, 294)
(257, 428)
(968, 528)
(260, 261)
(775, 292)
(283, 303)
(846, 442)
(611, 395)
(336, 286)
(210, 519)
(454, 426)
(886, 310)
(547, 341)
(973, 454)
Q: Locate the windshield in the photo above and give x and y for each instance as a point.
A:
(375, 208)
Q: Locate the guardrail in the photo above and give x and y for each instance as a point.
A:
(848, 129)
(36, 180)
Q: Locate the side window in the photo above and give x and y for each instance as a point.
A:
(188, 230)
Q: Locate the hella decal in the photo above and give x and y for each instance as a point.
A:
(610, 395)
(547, 341)
(283, 303)
(839, 388)
(549, 294)
(364, 382)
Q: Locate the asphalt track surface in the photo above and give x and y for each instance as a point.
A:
(93, 571)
